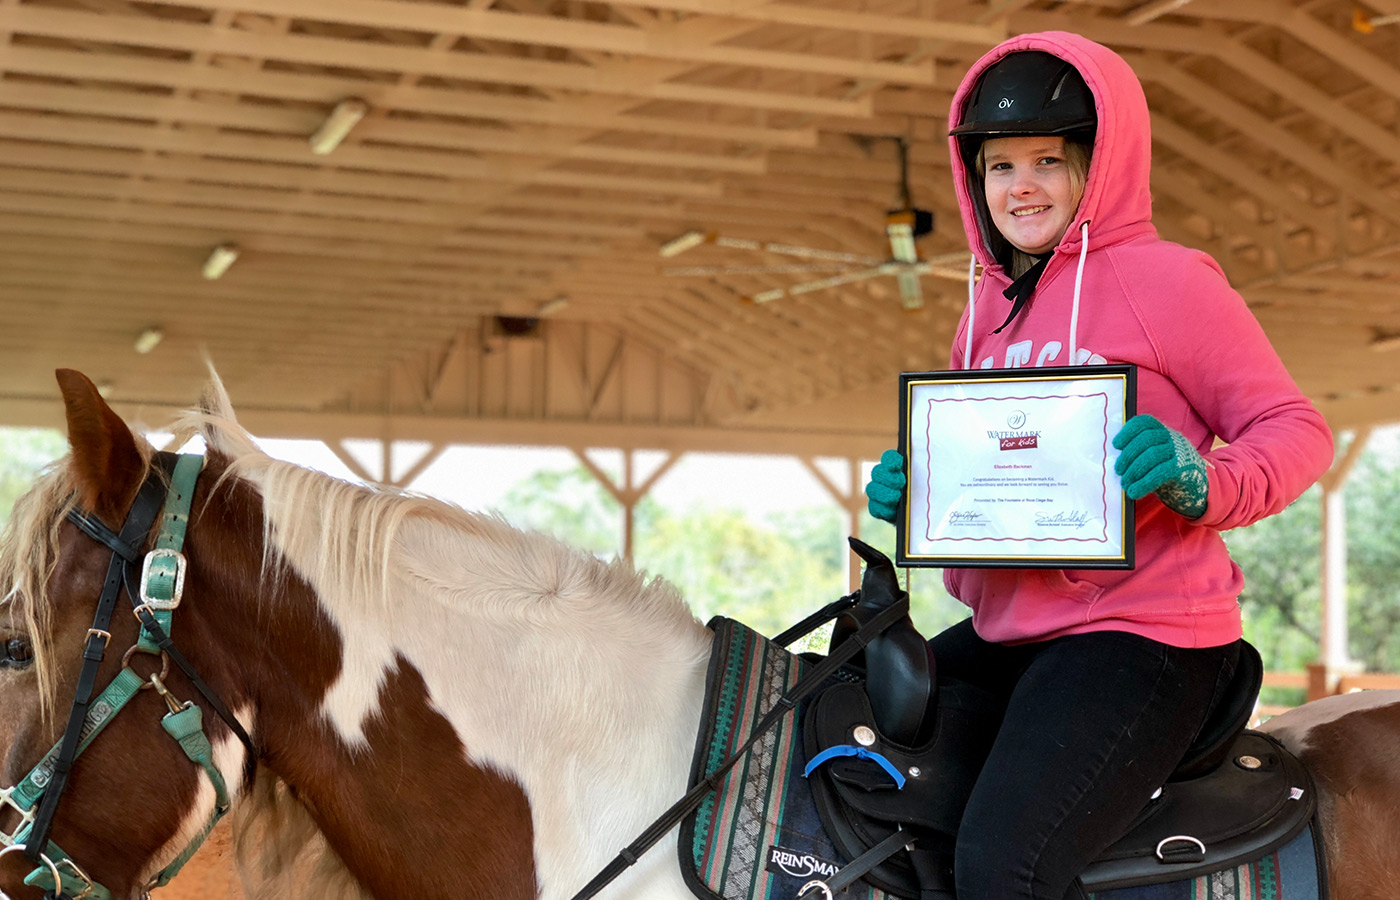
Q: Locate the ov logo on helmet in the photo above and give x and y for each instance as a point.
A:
(1005, 103)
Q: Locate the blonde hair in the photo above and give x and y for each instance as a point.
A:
(1078, 155)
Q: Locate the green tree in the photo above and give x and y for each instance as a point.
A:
(767, 573)
(23, 453)
(569, 504)
(1373, 561)
(1282, 597)
(1281, 558)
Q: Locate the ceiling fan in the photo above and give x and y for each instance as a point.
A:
(903, 227)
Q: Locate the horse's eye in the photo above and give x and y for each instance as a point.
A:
(18, 652)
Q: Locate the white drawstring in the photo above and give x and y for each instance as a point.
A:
(971, 307)
(1074, 310)
(1078, 280)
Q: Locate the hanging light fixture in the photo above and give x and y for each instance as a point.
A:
(345, 116)
(147, 340)
(684, 242)
(220, 258)
(1368, 24)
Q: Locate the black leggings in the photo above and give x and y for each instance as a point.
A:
(1093, 725)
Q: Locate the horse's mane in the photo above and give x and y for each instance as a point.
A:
(354, 543)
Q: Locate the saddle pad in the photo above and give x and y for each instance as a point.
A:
(1289, 873)
(758, 836)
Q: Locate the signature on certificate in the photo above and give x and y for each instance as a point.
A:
(966, 517)
(1076, 518)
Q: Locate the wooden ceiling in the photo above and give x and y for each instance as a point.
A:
(527, 159)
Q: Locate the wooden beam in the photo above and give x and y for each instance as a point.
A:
(328, 90)
(239, 223)
(527, 220)
(1262, 131)
(178, 171)
(290, 150)
(525, 29)
(1238, 56)
(1339, 48)
(543, 142)
(1152, 10)
(1265, 190)
(342, 54)
(925, 28)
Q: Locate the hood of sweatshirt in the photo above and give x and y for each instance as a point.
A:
(1117, 201)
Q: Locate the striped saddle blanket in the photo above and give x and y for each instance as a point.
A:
(759, 836)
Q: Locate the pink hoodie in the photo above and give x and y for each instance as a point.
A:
(1205, 368)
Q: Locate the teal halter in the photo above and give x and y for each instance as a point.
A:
(161, 587)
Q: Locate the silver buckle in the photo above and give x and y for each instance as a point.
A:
(818, 885)
(174, 601)
(78, 875)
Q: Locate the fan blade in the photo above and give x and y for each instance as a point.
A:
(702, 271)
(794, 250)
(820, 284)
(678, 245)
(952, 266)
(909, 290)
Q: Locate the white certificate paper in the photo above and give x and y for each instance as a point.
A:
(1015, 468)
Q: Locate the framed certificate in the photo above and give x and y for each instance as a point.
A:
(1014, 468)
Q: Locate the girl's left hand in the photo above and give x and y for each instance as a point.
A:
(1159, 459)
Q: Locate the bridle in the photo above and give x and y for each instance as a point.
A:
(154, 599)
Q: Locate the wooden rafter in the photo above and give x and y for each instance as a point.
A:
(529, 158)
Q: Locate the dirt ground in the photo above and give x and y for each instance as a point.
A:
(209, 876)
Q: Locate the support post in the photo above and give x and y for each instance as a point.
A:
(628, 494)
(1334, 659)
(386, 463)
(851, 503)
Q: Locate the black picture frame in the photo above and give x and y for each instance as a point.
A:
(1111, 547)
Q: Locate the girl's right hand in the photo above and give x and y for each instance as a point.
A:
(886, 486)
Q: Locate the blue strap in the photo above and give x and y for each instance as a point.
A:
(841, 750)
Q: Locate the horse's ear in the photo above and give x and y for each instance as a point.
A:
(105, 462)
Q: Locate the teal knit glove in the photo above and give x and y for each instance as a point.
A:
(1157, 458)
(886, 486)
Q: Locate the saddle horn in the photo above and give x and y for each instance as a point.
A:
(899, 665)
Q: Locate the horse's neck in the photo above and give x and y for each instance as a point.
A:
(528, 750)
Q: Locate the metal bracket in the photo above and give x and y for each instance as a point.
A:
(1184, 838)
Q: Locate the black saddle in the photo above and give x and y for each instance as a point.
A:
(1236, 795)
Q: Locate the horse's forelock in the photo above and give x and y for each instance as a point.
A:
(28, 560)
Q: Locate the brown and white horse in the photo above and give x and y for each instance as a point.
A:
(442, 706)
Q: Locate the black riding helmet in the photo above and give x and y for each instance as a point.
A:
(1027, 92)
